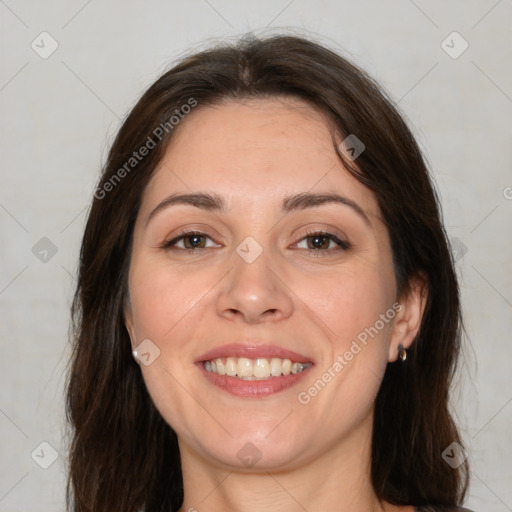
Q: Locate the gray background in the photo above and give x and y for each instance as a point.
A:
(60, 113)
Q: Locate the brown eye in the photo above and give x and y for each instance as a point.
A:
(194, 241)
(318, 242)
(322, 242)
(190, 241)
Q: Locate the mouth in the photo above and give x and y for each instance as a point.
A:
(253, 371)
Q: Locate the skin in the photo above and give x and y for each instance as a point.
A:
(314, 456)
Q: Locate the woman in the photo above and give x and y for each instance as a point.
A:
(267, 315)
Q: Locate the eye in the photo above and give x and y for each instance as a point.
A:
(320, 241)
(191, 240)
(314, 241)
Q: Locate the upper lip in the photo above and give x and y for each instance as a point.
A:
(252, 351)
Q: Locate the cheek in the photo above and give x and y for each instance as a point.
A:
(167, 308)
(354, 308)
(162, 298)
(349, 302)
(356, 317)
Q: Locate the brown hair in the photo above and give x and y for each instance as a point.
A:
(123, 455)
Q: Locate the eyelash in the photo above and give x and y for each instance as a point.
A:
(343, 245)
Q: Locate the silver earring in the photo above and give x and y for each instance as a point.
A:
(402, 353)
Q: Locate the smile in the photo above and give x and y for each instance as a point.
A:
(254, 369)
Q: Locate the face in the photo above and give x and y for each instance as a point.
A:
(267, 296)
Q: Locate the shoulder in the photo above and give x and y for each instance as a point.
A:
(434, 508)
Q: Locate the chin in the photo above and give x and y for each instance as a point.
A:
(246, 453)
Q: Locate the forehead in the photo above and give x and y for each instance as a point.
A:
(255, 150)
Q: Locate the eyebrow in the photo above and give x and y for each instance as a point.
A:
(214, 202)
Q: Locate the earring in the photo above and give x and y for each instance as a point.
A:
(402, 353)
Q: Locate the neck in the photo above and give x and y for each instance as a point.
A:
(339, 479)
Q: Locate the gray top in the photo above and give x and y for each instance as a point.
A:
(432, 508)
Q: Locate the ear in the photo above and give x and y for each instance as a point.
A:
(407, 321)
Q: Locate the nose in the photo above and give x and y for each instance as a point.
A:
(254, 292)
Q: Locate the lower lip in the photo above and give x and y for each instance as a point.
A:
(253, 388)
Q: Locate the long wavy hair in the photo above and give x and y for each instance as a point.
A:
(123, 455)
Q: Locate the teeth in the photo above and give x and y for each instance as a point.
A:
(254, 369)
(296, 368)
(276, 367)
(230, 366)
(261, 369)
(244, 368)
